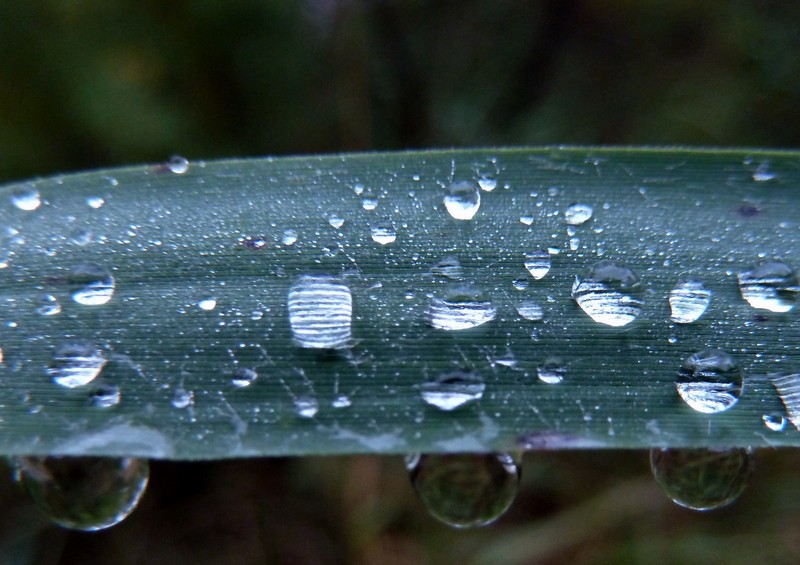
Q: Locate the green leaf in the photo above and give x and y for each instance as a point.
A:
(174, 285)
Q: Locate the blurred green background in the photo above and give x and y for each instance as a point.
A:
(86, 84)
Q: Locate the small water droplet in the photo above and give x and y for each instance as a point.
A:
(49, 306)
(105, 396)
(207, 304)
(465, 490)
(358, 188)
(93, 284)
(76, 364)
(81, 237)
(383, 232)
(552, 371)
(463, 307)
(26, 198)
(538, 263)
(369, 201)
(578, 214)
(243, 377)
(527, 219)
(178, 165)
(520, 283)
(320, 312)
(609, 293)
(530, 311)
(449, 267)
(95, 202)
(487, 174)
(774, 422)
(771, 285)
(710, 381)
(463, 199)
(341, 401)
(688, 301)
(306, 406)
(289, 237)
(702, 479)
(453, 390)
(182, 398)
(763, 174)
(84, 493)
(336, 222)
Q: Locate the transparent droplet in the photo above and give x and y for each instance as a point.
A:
(609, 293)
(702, 479)
(105, 396)
(530, 311)
(383, 232)
(92, 284)
(449, 267)
(462, 200)
(788, 389)
(453, 390)
(763, 174)
(526, 219)
(49, 306)
(578, 214)
(320, 312)
(463, 307)
(369, 201)
(520, 283)
(336, 222)
(688, 301)
(487, 175)
(243, 377)
(95, 202)
(306, 406)
(771, 285)
(465, 490)
(341, 401)
(552, 371)
(26, 198)
(81, 237)
(774, 422)
(76, 364)
(710, 381)
(178, 165)
(538, 263)
(289, 237)
(207, 304)
(84, 493)
(182, 398)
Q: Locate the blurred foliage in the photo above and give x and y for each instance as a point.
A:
(89, 84)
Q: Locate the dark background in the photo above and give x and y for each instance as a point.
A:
(87, 84)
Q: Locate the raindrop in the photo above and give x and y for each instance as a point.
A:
(306, 406)
(463, 307)
(336, 222)
(771, 285)
(207, 304)
(453, 390)
(320, 312)
(93, 285)
(182, 398)
(538, 263)
(530, 311)
(383, 232)
(552, 371)
(702, 479)
(449, 267)
(465, 490)
(105, 396)
(462, 200)
(289, 237)
(27, 199)
(178, 165)
(95, 202)
(609, 293)
(76, 364)
(688, 301)
(578, 214)
(774, 422)
(49, 306)
(243, 377)
(710, 381)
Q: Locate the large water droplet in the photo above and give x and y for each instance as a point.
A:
(552, 371)
(320, 312)
(462, 200)
(452, 390)
(93, 285)
(538, 263)
(710, 381)
(465, 490)
(76, 364)
(26, 198)
(609, 293)
(383, 232)
(578, 214)
(178, 165)
(463, 307)
(771, 285)
(688, 301)
(84, 493)
(702, 479)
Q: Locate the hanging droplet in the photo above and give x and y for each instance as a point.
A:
(76, 364)
(453, 390)
(463, 307)
(610, 293)
(688, 301)
(463, 199)
(538, 263)
(84, 493)
(26, 198)
(771, 285)
(465, 490)
(710, 381)
(92, 285)
(702, 479)
(383, 232)
(320, 312)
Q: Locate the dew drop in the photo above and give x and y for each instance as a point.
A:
(289, 237)
(383, 232)
(27, 199)
(552, 371)
(702, 479)
(95, 202)
(369, 201)
(449, 267)
(463, 307)
(306, 406)
(530, 311)
(609, 293)
(92, 284)
(105, 396)
(538, 263)
(462, 200)
(84, 493)
(207, 304)
(763, 174)
(788, 389)
(182, 398)
(710, 381)
(520, 283)
(487, 175)
(178, 165)
(526, 219)
(49, 306)
(336, 222)
(75, 364)
(578, 214)
(453, 390)
(320, 312)
(771, 285)
(688, 301)
(243, 377)
(465, 490)
(341, 401)
(774, 422)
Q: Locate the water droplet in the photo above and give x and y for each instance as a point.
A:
(178, 165)
(383, 232)
(289, 237)
(530, 311)
(702, 479)
(710, 381)
(609, 293)
(26, 198)
(774, 422)
(182, 398)
(49, 306)
(336, 222)
(341, 401)
(81, 237)
(76, 364)
(358, 188)
(552, 371)
(526, 219)
(487, 175)
(763, 174)
(463, 307)
(320, 312)
(771, 285)
(688, 301)
(462, 200)
(538, 263)
(369, 201)
(95, 202)
(94, 285)
(788, 389)
(243, 377)
(105, 396)
(465, 490)
(578, 214)
(449, 267)
(207, 304)
(453, 390)
(84, 493)
(306, 406)
(520, 283)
